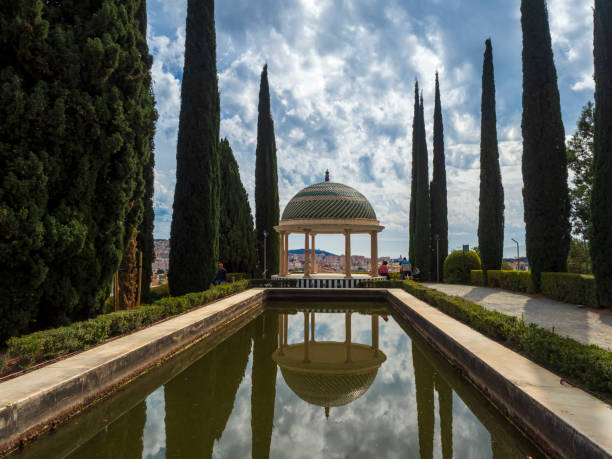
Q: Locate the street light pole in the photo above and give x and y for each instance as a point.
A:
(517, 254)
(265, 270)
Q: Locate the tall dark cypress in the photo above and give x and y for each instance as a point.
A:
(545, 191)
(267, 211)
(439, 210)
(413, 180)
(194, 234)
(422, 233)
(236, 235)
(601, 199)
(75, 109)
(491, 210)
(145, 231)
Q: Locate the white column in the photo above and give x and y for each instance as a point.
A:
(306, 254)
(313, 256)
(347, 253)
(281, 253)
(286, 272)
(347, 324)
(374, 253)
(375, 333)
(306, 360)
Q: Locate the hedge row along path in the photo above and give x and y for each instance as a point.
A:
(585, 325)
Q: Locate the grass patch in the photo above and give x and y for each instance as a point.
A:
(587, 365)
(28, 350)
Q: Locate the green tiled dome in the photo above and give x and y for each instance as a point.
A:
(328, 200)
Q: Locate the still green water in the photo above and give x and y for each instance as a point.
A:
(230, 400)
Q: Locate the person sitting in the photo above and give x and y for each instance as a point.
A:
(405, 269)
(416, 273)
(221, 276)
(384, 270)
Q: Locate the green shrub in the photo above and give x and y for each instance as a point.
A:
(160, 291)
(518, 281)
(476, 277)
(458, 265)
(589, 366)
(48, 344)
(570, 288)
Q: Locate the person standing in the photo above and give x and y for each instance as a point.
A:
(221, 276)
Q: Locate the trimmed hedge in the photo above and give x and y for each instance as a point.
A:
(458, 265)
(49, 344)
(589, 366)
(570, 288)
(518, 281)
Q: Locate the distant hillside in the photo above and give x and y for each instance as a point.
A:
(317, 251)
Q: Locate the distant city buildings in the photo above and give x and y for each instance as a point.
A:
(160, 265)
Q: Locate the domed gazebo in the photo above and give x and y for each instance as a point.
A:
(327, 208)
(328, 373)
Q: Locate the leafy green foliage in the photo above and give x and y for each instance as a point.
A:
(601, 201)
(458, 265)
(545, 192)
(414, 169)
(267, 211)
(145, 240)
(580, 163)
(439, 210)
(491, 210)
(570, 288)
(518, 281)
(49, 344)
(194, 233)
(76, 112)
(579, 258)
(589, 366)
(236, 234)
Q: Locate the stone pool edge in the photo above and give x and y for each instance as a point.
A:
(37, 401)
(546, 420)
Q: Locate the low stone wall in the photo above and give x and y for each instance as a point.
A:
(36, 401)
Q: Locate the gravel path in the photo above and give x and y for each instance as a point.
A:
(585, 325)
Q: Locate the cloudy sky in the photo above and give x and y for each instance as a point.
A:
(341, 80)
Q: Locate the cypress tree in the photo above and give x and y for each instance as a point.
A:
(236, 234)
(422, 233)
(194, 233)
(545, 191)
(413, 180)
(145, 233)
(267, 211)
(439, 210)
(491, 210)
(601, 201)
(73, 111)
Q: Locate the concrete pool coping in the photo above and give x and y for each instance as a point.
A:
(563, 420)
(36, 401)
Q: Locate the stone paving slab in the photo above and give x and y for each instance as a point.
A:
(569, 419)
(585, 325)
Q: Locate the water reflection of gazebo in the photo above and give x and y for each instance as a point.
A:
(328, 373)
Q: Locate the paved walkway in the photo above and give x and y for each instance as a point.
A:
(582, 324)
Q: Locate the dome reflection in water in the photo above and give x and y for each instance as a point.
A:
(351, 384)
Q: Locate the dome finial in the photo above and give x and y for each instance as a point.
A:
(327, 175)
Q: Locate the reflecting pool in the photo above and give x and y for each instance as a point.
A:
(301, 380)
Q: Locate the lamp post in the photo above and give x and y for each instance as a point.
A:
(437, 238)
(517, 254)
(265, 270)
